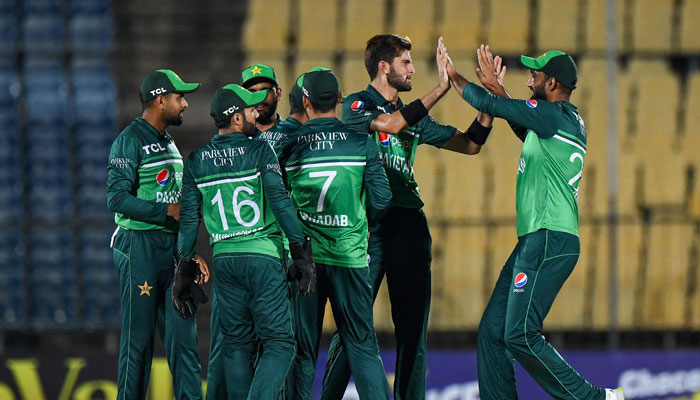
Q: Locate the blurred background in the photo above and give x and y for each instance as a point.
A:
(69, 77)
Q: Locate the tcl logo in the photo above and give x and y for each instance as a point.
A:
(230, 110)
(158, 91)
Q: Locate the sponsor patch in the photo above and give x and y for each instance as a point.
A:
(163, 177)
(357, 105)
(532, 103)
(520, 280)
(384, 139)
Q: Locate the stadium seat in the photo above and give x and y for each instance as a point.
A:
(427, 168)
(655, 130)
(557, 26)
(317, 28)
(42, 6)
(652, 24)
(667, 276)
(9, 91)
(416, 19)
(361, 18)
(43, 34)
(690, 29)
(461, 26)
(46, 96)
(630, 245)
(691, 140)
(8, 34)
(101, 7)
(462, 185)
(458, 286)
(629, 181)
(508, 27)
(596, 28)
(266, 27)
(502, 240)
(595, 255)
(91, 34)
(306, 61)
(352, 74)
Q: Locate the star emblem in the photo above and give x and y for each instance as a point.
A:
(145, 289)
(256, 70)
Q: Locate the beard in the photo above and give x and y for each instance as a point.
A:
(398, 82)
(176, 120)
(538, 93)
(266, 116)
(248, 128)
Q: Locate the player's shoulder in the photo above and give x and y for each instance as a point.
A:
(359, 101)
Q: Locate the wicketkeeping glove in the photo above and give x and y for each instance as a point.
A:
(187, 294)
(303, 268)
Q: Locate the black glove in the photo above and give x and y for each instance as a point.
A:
(303, 268)
(187, 294)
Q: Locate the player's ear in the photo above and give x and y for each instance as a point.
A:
(384, 67)
(305, 101)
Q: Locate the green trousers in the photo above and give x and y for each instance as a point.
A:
(144, 263)
(350, 295)
(511, 327)
(400, 249)
(253, 310)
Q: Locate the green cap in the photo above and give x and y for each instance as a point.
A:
(257, 73)
(554, 63)
(162, 82)
(296, 95)
(231, 99)
(321, 86)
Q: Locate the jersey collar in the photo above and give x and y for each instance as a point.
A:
(379, 100)
(150, 129)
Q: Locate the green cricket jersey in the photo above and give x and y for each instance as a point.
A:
(397, 151)
(551, 161)
(337, 182)
(144, 175)
(238, 185)
(276, 135)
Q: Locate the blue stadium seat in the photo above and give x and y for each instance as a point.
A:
(42, 6)
(95, 92)
(46, 99)
(43, 34)
(9, 88)
(91, 34)
(8, 34)
(90, 6)
(93, 203)
(51, 202)
(100, 282)
(12, 309)
(8, 7)
(54, 306)
(11, 193)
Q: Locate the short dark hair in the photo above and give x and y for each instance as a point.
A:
(295, 110)
(384, 47)
(324, 108)
(222, 124)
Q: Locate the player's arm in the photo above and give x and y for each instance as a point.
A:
(376, 184)
(190, 208)
(121, 175)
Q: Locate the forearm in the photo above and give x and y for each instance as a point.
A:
(123, 202)
(282, 207)
(190, 207)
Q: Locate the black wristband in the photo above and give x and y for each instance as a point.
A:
(414, 112)
(478, 133)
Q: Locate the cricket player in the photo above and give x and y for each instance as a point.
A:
(400, 245)
(549, 173)
(143, 190)
(237, 184)
(337, 184)
(216, 382)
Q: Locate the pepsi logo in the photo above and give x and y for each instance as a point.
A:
(520, 280)
(384, 139)
(357, 105)
(531, 103)
(163, 177)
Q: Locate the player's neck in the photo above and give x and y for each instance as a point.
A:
(154, 120)
(299, 117)
(381, 85)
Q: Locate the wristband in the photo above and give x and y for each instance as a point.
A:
(478, 133)
(414, 112)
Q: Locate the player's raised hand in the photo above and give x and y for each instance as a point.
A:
(491, 71)
(442, 60)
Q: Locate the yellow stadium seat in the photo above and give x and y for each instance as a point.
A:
(452, 109)
(305, 62)
(507, 30)
(556, 25)
(628, 179)
(382, 310)
(515, 80)
(278, 63)
(317, 28)
(353, 75)
(596, 29)
(629, 248)
(461, 26)
(501, 243)
(463, 186)
(363, 19)
(595, 254)
(691, 139)
(652, 22)
(458, 285)
(427, 167)
(415, 19)
(666, 278)
(261, 32)
(690, 29)
(655, 131)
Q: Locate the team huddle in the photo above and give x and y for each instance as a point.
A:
(314, 209)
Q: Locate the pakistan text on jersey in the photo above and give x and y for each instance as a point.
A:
(170, 196)
(328, 220)
(396, 162)
(217, 237)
